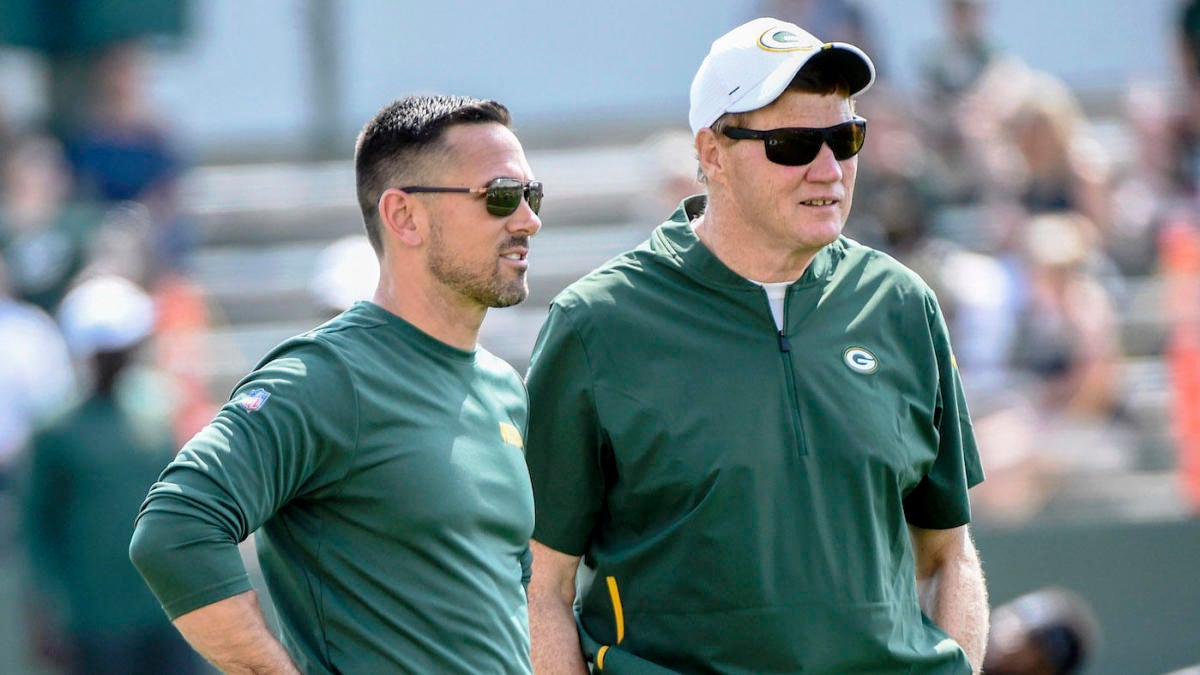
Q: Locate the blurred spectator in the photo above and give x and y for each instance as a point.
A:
(346, 271)
(668, 166)
(1060, 418)
(1144, 188)
(1022, 474)
(36, 381)
(1068, 343)
(972, 288)
(1186, 125)
(123, 152)
(1061, 166)
(6, 132)
(1068, 336)
(181, 332)
(1187, 38)
(1179, 255)
(1050, 631)
(122, 246)
(954, 62)
(950, 70)
(89, 612)
(1008, 139)
(1015, 143)
(42, 233)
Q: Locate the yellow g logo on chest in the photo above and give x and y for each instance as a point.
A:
(511, 435)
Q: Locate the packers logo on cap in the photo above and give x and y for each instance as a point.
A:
(775, 40)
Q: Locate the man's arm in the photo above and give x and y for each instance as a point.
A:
(233, 635)
(951, 587)
(553, 634)
(280, 436)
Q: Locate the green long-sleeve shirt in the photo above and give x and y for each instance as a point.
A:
(384, 472)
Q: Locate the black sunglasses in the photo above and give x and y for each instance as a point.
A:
(796, 146)
(503, 194)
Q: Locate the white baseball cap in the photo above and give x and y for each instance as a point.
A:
(345, 271)
(105, 313)
(751, 65)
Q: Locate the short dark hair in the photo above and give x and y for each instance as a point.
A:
(825, 74)
(398, 141)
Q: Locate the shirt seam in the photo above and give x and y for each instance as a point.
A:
(341, 481)
(587, 359)
(591, 385)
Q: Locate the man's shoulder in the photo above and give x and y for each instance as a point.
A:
(305, 357)
(862, 261)
(496, 368)
(624, 276)
(360, 316)
(339, 336)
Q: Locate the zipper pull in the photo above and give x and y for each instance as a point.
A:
(784, 345)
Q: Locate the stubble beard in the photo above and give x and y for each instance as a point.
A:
(488, 288)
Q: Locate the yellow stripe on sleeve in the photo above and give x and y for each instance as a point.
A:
(617, 611)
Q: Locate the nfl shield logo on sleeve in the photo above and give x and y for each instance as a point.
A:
(253, 399)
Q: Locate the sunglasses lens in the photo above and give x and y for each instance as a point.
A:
(796, 147)
(534, 196)
(845, 140)
(793, 147)
(504, 197)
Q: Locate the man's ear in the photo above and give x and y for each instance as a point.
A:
(709, 154)
(401, 214)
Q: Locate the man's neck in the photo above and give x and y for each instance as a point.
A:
(447, 320)
(741, 247)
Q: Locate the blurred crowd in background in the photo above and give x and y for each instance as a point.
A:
(1053, 240)
(1045, 233)
(98, 388)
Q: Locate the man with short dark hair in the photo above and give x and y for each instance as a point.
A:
(751, 429)
(378, 456)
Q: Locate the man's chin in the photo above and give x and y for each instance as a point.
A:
(508, 299)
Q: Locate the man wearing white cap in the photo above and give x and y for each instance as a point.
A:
(751, 429)
(87, 473)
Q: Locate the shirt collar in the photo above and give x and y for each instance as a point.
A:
(677, 239)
